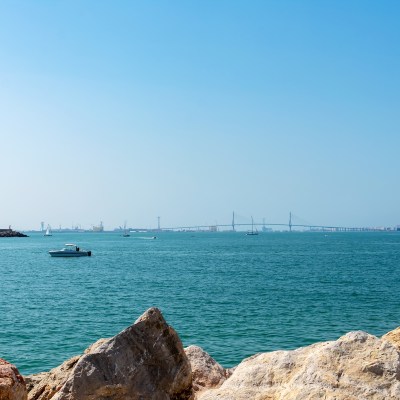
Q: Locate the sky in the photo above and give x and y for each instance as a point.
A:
(190, 110)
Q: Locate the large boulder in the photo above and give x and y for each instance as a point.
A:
(12, 384)
(356, 366)
(206, 372)
(145, 361)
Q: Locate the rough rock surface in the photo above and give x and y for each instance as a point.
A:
(11, 233)
(393, 337)
(45, 385)
(145, 361)
(206, 372)
(12, 384)
(356, 366)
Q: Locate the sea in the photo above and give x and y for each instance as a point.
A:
(231, 294)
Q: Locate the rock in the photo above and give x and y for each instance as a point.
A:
(393, 337)
(45, 385)
(145, 361)
(12, 384)
(356, 366)
(11, 233)
(206, 372)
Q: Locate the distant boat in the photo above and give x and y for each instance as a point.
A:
(252, 232)
(48, 231)
(264, 228)
(70, 250)
(99, 228)
(126, 233)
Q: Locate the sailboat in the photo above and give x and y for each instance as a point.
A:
(125, 234)
(252, 232)
(48, 231)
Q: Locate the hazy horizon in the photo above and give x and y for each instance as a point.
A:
(127, 111)
(241, 224)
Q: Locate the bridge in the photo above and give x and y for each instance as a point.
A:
(290, 225)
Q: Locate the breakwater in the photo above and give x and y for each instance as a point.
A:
(11, 233)
(147, 360)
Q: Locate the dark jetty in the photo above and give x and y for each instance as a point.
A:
(10, 233)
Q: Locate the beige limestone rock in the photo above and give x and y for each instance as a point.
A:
(145, 361)
(206, 372)
(12, 384)
(393, 337)
(355, 367)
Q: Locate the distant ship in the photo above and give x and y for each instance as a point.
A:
(48, 231)
(126, 233)
(252, 232)
(99, 228)
(265, 229)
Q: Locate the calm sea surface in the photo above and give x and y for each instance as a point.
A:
(232, 294)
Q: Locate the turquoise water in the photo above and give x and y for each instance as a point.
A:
(232, 294)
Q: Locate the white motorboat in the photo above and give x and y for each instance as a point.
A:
(70, 250)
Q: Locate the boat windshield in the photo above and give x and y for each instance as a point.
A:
(70, 247)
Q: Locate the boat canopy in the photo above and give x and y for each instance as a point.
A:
(70, 244)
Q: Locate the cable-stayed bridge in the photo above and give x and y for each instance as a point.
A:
(293, 223)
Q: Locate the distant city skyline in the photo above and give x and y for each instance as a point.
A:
(238, 222)
(190, 110)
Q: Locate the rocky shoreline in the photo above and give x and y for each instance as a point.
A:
(10, 233)
(147, 361)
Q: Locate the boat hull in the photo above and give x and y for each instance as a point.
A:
(56, 253)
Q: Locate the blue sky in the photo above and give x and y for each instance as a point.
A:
(189, 110)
